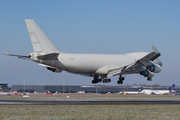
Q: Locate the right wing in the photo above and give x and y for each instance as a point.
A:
(136, 66)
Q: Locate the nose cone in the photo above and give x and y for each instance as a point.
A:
(158, 61)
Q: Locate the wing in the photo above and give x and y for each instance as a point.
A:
(135, 67)
(19, 56)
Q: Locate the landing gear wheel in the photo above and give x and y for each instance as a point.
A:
(96, 79)
(119, 82)
(121, 79)
(149, 78)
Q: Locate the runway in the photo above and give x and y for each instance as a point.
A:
(76, 102)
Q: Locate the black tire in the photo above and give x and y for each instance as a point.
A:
(121, 82)
(118, 82)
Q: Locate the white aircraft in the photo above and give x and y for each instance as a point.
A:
(133, 92)
(55, 93)
(99, 66)
(158, 92)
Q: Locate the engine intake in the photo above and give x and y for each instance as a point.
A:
(151, 68)
(147, 73)
(154, 68)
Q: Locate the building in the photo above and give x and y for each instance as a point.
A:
(80, 89)
(4, 88)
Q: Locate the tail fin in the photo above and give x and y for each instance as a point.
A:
(140, 89)
(172, 87)
(40, 41)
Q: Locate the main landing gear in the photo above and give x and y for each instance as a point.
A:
(97, 80)
(106, 80)
(121, 79)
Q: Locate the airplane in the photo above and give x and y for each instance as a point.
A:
(98, 66)
(55, 93)
(4, 93)
(158, 92)
(131, 92)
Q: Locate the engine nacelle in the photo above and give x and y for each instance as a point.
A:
(147, 73)
(54, 69)
(154, 68)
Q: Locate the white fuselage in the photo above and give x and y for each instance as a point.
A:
(131, 92)
(94, 63)
(157, 92)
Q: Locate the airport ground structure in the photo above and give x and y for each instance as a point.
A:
(4, 87)
(81, 88)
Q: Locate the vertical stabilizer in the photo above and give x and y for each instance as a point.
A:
(40, 41)
(140, 89)
(172, 87)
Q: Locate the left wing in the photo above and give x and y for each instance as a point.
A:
(136, 65)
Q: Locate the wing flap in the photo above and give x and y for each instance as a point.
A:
(114, 72)
(120, 70)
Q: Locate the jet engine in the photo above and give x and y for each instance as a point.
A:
(147, 73)
(54, 70)
(154, 68)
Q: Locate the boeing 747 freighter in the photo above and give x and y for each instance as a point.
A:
(98, 66)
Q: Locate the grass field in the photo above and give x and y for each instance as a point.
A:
(95, 97)
(90, 112)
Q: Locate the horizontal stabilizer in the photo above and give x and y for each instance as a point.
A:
(52, 56)
(19, 56)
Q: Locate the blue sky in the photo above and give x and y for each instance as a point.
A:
(103, 26)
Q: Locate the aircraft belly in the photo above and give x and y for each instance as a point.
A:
(93, 63)
(82, 64)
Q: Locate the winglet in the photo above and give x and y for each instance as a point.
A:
(7, 53)
(155, 49)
